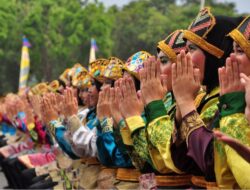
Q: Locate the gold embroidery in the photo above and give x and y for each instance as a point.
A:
(190, 123)
(199, 41)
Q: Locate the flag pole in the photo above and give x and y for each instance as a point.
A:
(202, 4)
(93, 48)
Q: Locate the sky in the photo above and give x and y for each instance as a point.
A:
(242, 6)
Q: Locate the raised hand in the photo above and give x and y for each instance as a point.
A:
(48, 111)
(229, 76)
(129, 103)
(185, 82)
(61, 110)
(35, 101)
(114, 104)
(10, 110)
(70, 103)
(241, 149)
(103, 105)
(151, 85)
(245, 81)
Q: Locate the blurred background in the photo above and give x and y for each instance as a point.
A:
(60, 31)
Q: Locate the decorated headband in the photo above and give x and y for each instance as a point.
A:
(173, 45)
(199, 29)
(241, 35)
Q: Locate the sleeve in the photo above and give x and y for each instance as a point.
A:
(40, 131)
(136, 146)
(199, 139)
(136, 136)
(159, 130)
(20, 121)
(234, 124)
(233, 121)
(84, 142)
(59, 131)
(108, 151)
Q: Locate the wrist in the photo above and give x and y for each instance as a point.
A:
(186, 107)
(117, 118)
(152, 99)
(131, 115)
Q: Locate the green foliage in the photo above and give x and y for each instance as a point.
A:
(60, 32)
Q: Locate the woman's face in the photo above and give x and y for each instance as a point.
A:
(244, 61)
(198, 58)
(93, 96)
(84, 95)
(165, 67)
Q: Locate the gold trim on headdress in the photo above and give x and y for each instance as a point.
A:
(97, 68)
(54, 86)
(76, 76)
(82, 80)
(240, 39)
(114, 69)
(167, 50)
(64, 76)
(40, 89)
(199, 41)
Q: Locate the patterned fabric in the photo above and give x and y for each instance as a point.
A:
(230, 168)
(81, 78)
(114, 69)
(64, 76)
(172, 45)
(59, 133)
(236, 126)
(84, 142)
(20, 122)
(135, 63)
(241, 35)
(203, 23)
(97, 69)
(168, 101)
(54, 85)
(199, 29)
(82, 132)
(83, 81)
(190, 122)
(108, 151)
(206, 109)
(41, 132)
(159, 134)
(40, 159)
(141, 137)
(40, 89)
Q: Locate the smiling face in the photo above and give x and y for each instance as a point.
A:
(244, 61)
(198, 58)
(165, 67)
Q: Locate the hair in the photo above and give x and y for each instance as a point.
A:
(98, 85)
(61, 83)
(217, 37)
(137, 83)
(79, 100)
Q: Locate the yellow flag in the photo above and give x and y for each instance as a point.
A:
(24, 66)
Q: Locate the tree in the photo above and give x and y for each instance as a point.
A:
(136, 29)
(60, 32)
